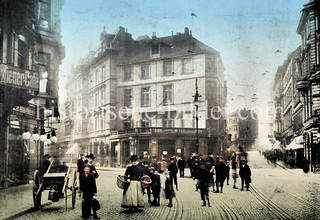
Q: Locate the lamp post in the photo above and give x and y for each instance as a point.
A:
(196, 103)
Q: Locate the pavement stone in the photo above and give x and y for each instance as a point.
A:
(276, 193)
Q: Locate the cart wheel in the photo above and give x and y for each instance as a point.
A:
(37, 185)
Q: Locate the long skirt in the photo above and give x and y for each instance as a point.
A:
(133, 197)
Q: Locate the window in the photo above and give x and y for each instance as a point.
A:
(127, 97)
(21, 57)
(102, 74)
(167, 68)
(145, 122)
(145, 73)
(127, 123)
(187, 66)
(44, 13)
(155, 49)
(168, 119)
(145, 96)
(167, 95)
(102, 96)
(127, 73)
(43, 83)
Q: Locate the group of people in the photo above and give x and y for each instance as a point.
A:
(209, 172)
(150, 179)
(133, 192)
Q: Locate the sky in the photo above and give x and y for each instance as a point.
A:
(253, 37)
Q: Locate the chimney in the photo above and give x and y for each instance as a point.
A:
(154, 35)
(186, 31)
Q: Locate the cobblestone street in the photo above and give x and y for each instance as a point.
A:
(276, 193)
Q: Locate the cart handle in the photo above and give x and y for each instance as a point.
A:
(66, 178)
(49, 166)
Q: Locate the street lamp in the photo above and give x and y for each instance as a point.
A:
(196, 103)
(53, 138)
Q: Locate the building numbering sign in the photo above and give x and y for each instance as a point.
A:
(16, 77)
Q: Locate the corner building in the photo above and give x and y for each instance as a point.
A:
(138, 98)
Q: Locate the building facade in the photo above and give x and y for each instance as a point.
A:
(136, 97)
(288, 108)
(30, 55)
(308, 82)
(243, 127)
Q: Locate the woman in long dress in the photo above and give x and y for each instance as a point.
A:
(132, 195)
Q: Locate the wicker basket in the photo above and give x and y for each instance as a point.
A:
(122, 183)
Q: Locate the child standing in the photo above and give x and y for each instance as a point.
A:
(168, 189)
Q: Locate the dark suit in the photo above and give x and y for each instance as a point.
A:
(173, 170)
(221, 174)
(81, 163)
(181, 166)
(245, 174)
(88, 188)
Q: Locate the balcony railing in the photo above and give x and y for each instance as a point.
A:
(159, 130)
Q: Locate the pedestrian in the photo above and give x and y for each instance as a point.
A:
(204, 181)
(181, 166)
(132, 195)
(209, 166)
(93, 170)
(155, 186)
(234, 169)
(81, 163)
(89, 192)
(169, 191)
(221, 172)
(245, 174)
(173, 170)
(190, 163)
(228, 171)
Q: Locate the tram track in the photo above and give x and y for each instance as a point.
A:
(279, 212)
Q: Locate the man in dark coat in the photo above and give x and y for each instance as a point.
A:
(89, 190)
(91, 166)
(221, 174)
(203, 184)
(81, 163)
(190, 163)
(173, 170)
(155, 186)
(245, 174)
(181, 166)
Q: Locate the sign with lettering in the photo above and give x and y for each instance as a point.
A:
(19, 78)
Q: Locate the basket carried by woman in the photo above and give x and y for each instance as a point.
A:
(122, 183)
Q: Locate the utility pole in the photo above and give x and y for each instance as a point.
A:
(196, 103)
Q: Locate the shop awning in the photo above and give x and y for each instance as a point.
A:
(296, 143)
(276, 145)
(74, 149)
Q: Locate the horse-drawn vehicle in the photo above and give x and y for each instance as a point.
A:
(58, 179)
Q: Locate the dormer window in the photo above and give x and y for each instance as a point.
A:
(155, 49)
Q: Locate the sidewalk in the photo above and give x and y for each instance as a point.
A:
(15, 200)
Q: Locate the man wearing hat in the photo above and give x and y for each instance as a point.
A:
(245, 174)
(81, 163)
(91, 166)
(173, 170)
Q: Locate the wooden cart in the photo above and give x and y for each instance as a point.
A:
(58, 179)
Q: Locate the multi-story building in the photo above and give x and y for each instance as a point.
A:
(243, 127)
(288, 107)
(136, 96)
(308, 82)
(30, 55)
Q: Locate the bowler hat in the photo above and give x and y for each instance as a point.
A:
(91, 156)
